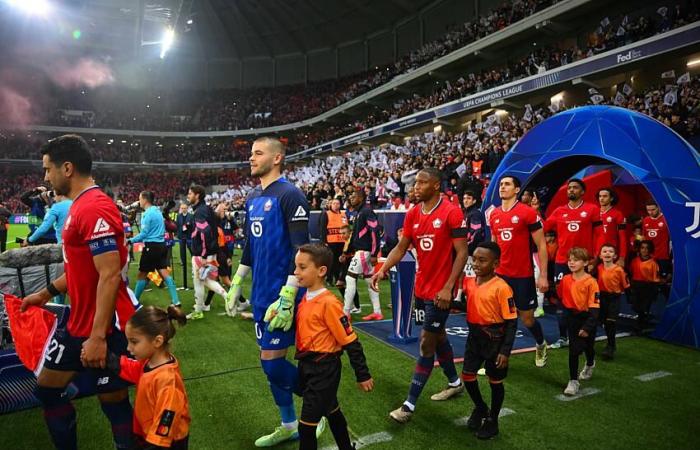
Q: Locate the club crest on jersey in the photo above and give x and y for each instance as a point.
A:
(437, 223)
(584, 213)
(250, 208)
(268, 205)
(660, 224)
(498, 221)
(515, 219)
(609, 219)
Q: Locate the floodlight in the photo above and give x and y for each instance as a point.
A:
(167, 42)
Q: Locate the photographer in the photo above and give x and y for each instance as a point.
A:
(37, 199)
(155, 252)
(55, 218)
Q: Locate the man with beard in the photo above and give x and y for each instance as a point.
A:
(574, 224)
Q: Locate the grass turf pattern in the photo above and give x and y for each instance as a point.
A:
(231, 404)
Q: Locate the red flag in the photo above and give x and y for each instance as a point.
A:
(31, 330)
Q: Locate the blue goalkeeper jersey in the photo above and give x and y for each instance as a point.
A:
(277, 223)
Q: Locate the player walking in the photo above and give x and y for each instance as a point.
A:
(436, 229)
(277, 223)
(512, 225)
(95, 261)
(612, 226)
(574, 224)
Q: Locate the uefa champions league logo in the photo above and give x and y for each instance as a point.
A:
(695, 227)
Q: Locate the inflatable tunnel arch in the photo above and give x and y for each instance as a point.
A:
(663, 162)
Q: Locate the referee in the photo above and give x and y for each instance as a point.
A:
(155, 253)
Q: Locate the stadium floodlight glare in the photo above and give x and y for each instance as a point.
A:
(693, 63)
(167, 42)
(32, 7)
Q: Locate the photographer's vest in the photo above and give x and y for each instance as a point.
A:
(336, 221)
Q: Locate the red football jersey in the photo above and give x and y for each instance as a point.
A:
(512, 230)
(431, 235)
(655, 230)
(611, 231)
(574, 227)
(93, 226)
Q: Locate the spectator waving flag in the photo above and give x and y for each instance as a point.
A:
(685, 78)
(669, 74)
(671, 97)
(619, 98)
(597, 98)
(627, 89)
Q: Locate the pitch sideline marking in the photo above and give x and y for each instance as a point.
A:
(585, 392)
(462, 421)
(653, 376)
(365, 441)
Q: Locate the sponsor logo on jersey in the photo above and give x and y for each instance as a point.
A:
(166, 421)
(101, 226)
(301, 212)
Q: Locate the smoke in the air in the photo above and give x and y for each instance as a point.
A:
(15, 108)
(83, 73)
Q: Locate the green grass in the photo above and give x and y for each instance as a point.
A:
(231, 404)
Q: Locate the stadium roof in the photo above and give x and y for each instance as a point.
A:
(254, 28)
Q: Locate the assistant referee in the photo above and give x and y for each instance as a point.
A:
(155, 253)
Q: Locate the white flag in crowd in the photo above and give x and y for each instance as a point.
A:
(597, 98)
(669, 74)
(625, 20)
(619, 98)
(671, 98)
(472, 136)
(592, 91)
(461, 170)
(685, 78)
(493, 118)
(627, 89)
(620, 31)
(493, 130)
(662, 11)
(605, 22)
(554, 107)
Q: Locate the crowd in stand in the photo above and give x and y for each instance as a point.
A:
(465, 158)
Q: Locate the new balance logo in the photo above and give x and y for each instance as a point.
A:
(695, 227)
(274, 341)
(101, 226)
(301, 212)
(102, 381)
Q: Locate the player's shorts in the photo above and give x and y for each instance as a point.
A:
(665, 267)
(63, 354)
(153, 257)
(483, 348)
(609, 306)
(560, 269)
(524, 292)
(273, 340)
(361, 264)
(318, 385)
(434, 318)
(222, 257)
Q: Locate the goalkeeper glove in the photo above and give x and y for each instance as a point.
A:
(280, 314)
(233, 296)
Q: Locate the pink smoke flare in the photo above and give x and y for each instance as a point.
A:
(85, 73)
(15, 109)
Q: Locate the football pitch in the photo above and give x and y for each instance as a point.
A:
(231, 404)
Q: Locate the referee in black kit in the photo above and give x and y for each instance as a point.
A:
(184, 222)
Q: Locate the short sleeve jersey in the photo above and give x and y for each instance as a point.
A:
(574, 227)
(93, 227)
(655, 230)
(273, 214)
(613, 280)
(161, 408)
(611, 231)
(513, 229)
(490, 303)
(432, 234)
(580, 295)
(322, 327)
(646, 271)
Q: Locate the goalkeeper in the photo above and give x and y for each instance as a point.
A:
(277, 223)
